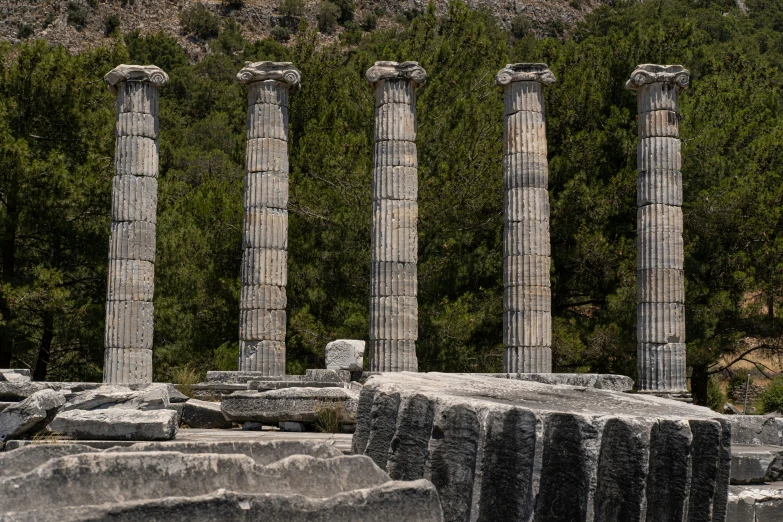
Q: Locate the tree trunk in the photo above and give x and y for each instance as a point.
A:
(699, 380)
(45, 348)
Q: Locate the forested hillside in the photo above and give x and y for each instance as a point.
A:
(56, 150)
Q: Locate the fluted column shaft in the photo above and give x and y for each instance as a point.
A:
(660, 278)
(527, 301)
(393, 285)
(262, 315)
(129, 308)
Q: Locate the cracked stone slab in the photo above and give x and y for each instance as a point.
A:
(756, 464)
(502, 449)
(759, 503)
(30, 415)
(291, 404)
(116, 424)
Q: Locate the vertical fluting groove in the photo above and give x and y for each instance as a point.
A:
(660, 249)
(262, 315)
(393, 284)
(527, 316)
(131, 275)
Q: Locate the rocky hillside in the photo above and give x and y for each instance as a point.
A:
(78, 24)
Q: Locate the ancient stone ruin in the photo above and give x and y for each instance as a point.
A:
(394, 310)
(129, 327)
(262, 317)
(659, 276)
(527, 299)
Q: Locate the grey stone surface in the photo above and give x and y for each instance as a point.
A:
(502, 449)
(294, 404)
(601, 381)
(30, 415)
(130, 288)
(415, 501)
(262, 317)
(14, 375)
(759, 503)
(152, 397)
(756, 464)
(27, 458)
(527, 314)
(293, 426)
(116, 424)
(756, 429)
(345, 354)
(394, 250)
(660, 254)
(176, 396)
(203, 414)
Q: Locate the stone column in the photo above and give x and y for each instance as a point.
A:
(262, 317)
(660, 321)
(527, 300)
(394, 310)
(128, 339)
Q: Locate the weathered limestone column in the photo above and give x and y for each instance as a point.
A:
(527, 299)
(394, 310)
(129, 329)
(660, 283)
(262, 317)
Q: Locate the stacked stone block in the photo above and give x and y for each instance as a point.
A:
(262, 316)
(660, 279)
(393, 286)
(527, 301)
(129, 309)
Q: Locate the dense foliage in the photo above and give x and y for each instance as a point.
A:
(56, 122)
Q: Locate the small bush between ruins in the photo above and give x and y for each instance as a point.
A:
(329, 414)
(185, 377)
(771, 400)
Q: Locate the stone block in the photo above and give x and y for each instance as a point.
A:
(527, 270)
(265, 228)
(525, 169)
(203, 414)
(526, 238)
(292, 426)
(661, 367)
(138, 97)
(116, 424)
(262, 385)
(660, 285)
(759, 430)
(175, 396)
(395, 121)
(266, 190)
(293, 404)
(758, 503)
(14, 375)
(527, 328)
(130, 280)
(30, 415)
(526, 204)
(267, 120)
(527, 298)
(600, 381)
(499, 449)
(267, 357)
(266, 155)
(128, 365)
(394, 231)
(662, 187)
(394, 317)
(262, 325)
(153, 397)
(393, 355)
(268, 91)
(525, 131)
(325, 376)
(242, 377)
(132, 240)
(134, 198)
(264, 266)
(523, 96)
(395, 154)
(345, 354)
(136, 124)
(756, 464)
(658, 154)
(388, 278)
(129, 325)
(395, 183)
(655, 124)
(15, 391)
(27, 458)
(136, 156)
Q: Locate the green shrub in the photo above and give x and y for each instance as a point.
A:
(112, 24)
(352, 33)
(48, 20)
(347, 9)
(772, 398)
(185, 378)
(368, 21)
(24, 31)
(231, 40)
(76, 14)
(291, 8)
(715, 397)
(520, 26)
(234, 4)
(200, 22)
(327, 16)
(281, 34)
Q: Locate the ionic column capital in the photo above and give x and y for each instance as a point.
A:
(525, 72)
(284, 72)
(650, 73)
(135, 73)
(411, 71)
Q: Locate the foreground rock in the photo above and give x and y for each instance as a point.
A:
(116, 424)
(756, 429)
(30, 415)
(345, 354)
(293, 404)
(203, 414)
(756, 464)
(761, 503)
(601, 381)
(500, 449)
(28, 458)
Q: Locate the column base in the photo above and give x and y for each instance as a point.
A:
(393, 356)
(127, 366)
(527, 359)
(265, 357)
